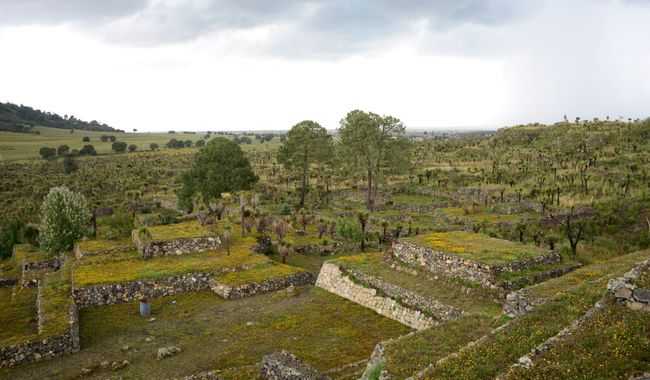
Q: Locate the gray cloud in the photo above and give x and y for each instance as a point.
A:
(307, 28)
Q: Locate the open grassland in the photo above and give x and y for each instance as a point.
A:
(477, 247)
(22, 146)
(185, 230)
(324, 330)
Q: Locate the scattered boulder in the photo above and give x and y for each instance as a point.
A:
(115, 366)
(166, 352)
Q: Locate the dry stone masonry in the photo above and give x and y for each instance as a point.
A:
(246, 290)
(332, 279)
(175, 246)
(283, 365)
(624, 290)
(452, 265)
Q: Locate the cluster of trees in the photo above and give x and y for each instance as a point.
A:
(242, 140)
(50, 154)
(174, 143)
(24, 115)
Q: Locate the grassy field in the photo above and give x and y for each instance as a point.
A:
(477, 247)
(23, 146)
(322, 329)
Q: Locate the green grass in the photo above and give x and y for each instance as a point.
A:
(90, 247)
(28, 253)
(138, 269)
(481, 216)
(405, 357)
(477, 247)
(256, 275)
(445, 290)
(21, 146)
(412, 199)
(322, 329)
(494, 355)
(17, 315)
(9, 269)
(613, 345)
(185, 230)
(530, 271)
(56, 298)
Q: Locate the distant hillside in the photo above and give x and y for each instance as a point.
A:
(19, 118)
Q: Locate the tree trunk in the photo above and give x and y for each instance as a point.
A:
(304, 179)
(369, 201)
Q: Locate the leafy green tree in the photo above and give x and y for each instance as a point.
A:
(218, 168)
(88, 150)
(133, 148)
(62, 150)
(104, 138)
(154, 146)
(64, 220)
(47, 153)
(371, 144)
(69, 164)
(307, 144)
(349, 230)
(85, 139)
(200, 143)
(10, 236)
(119, 147)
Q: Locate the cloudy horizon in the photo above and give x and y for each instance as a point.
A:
(157, 65)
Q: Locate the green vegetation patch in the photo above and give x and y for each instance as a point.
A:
(268, 271)
(320, 328)
(480, 216)
(531, 271)
(477, 247)
(409, 355)
(164, 266)
(494, 355)
(27, 253)
(412, 199)
(56, 300)
(445, 290)
(17, 314)
(90, 247)
(613, 345)
(9, 269)
(185, 230)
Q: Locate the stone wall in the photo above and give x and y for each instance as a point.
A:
(433, 308)
(624, 290)
(176, 246)
(41, 347)
(519, 303)
(39, 265)
(455, 266)
(521, 282)
(332, 279)
(283, 365)
(246, 290)
(8, 282)
(100, 295)
(80, 253)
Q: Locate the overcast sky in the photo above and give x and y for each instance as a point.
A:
(268, 64)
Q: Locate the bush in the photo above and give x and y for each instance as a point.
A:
(200, 143)
(133, 148)
(62, 150)
(10, 236)
(119, 224)
(104, 138)
(64, 220)
(69, 164)
(85, 139)
(153, 146)
(285, 209)
(118, 147)
(47, 153)
(30, 234)
(88, 150)
(168, 216)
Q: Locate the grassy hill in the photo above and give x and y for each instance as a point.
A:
(20, 118)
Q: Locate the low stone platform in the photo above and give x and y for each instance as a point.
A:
(283, 365)
(246, 290)
(175, 246)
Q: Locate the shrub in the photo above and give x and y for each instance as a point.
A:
(133, 148)
(104, 138)
(285, 209)
(200, 143)
(88, 150)
(10, 236)
(119, 224)
(62, 150)
(154, 146)
(119, 147)
(85, 139)
(64, 220)
(30, 234)
(168, 216)
(47, 153)
(69, 164)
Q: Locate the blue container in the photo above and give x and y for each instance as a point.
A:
(145, 308)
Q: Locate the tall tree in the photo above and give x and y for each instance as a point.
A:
(307, 144)
(218, 168)
(372, 144)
